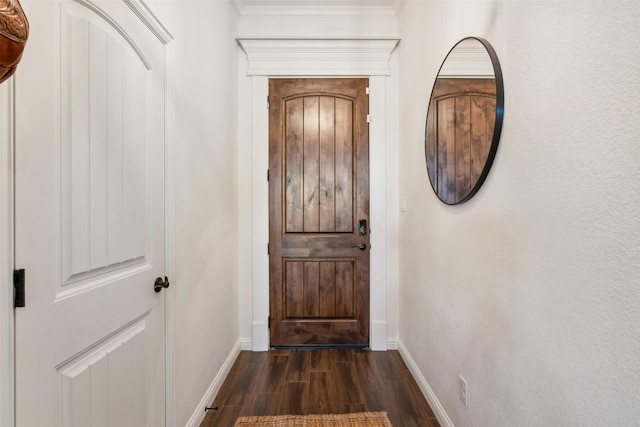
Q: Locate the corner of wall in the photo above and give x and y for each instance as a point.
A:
(426, 389)
(198, 415)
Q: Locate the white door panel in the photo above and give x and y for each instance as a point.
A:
(90, 218)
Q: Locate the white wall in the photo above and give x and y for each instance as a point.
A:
(530, 290)
(206, 225)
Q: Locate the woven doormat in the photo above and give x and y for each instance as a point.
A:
(362, 419)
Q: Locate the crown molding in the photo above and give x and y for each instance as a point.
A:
(246, 8)
(318, 56)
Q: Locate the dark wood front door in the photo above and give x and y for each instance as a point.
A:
(319, 212)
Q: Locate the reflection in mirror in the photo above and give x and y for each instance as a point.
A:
(464, 120)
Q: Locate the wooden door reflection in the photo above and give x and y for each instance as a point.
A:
(459, 135)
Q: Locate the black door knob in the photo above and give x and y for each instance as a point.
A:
(361, 246)
(161, 284)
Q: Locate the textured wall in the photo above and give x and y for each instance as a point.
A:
(206, 223)
(530, 290)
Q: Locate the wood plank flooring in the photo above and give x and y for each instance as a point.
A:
(282, 382)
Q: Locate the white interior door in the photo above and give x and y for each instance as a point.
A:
(89, 218)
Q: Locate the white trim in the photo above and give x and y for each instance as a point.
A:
(7, 368)
(150, 20)
(246, 344)
(260, 210)
(426, 389)
(392, 343)
(318, 56)
(169, 253)
(276, 60)
(211, 393)
(377, 208)
(79, 10)
(294, 8)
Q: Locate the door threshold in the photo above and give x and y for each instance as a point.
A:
(321, 347)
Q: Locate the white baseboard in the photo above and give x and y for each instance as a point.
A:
(260, 339)
(214, 388)
(428, 393)
(379, 336)
(246, 344)
(392, 343)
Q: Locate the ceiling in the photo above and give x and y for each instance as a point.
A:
(244, 5)
(315, 3)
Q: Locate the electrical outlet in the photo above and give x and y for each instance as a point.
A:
(464, 392)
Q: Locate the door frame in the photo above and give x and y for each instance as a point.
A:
(7, 366)
(300, 58)
(7, 224)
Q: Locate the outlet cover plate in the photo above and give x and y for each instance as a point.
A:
(463, 390)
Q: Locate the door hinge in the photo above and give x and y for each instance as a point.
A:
(368, 91)
(268, 104)
(368, 118)
(268, 249)
(268, 174)
(269, 322)
(18, 288)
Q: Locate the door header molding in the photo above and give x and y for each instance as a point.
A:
(318, 56)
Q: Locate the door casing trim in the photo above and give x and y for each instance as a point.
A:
(7, 365)
(170, 310)
(272, 58)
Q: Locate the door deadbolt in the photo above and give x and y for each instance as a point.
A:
(362, 227)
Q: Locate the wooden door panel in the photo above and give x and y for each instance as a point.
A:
(344, 161)
(327, 165)
(319, 165)
(294, 166)
(483, 113)
(318, 192)
(327, 288)
(311, 165)
(462, 136)
(462, 129)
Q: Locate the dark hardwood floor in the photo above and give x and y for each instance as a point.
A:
(282, 382)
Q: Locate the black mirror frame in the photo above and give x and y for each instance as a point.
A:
(497, 128)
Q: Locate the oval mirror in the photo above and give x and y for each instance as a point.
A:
(464, 120)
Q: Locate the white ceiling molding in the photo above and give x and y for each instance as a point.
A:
(318, 57)
(335, 19)
(316, 7)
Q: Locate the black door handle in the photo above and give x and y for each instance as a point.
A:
(361, 246)
(161, 284)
